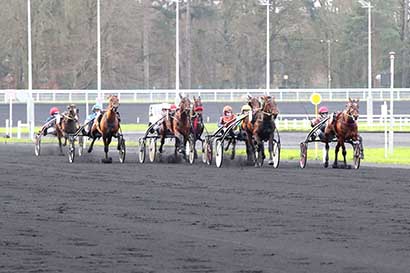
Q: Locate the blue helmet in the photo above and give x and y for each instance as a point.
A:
(96, 107)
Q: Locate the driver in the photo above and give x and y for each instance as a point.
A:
(227, 116)
(51, 121)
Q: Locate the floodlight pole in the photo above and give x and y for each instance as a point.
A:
(30, 103)
(367, 4)
(391, 134)
(267, 4)
(99, 51)
(177, 51)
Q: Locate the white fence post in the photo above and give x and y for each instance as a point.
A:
(7, 128)
(19, 129)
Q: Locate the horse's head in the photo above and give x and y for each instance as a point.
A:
(198, 108)
(184, 105)
(254, 103)
(269, 106)
(72, 111)
(352, 108)
(113, 102)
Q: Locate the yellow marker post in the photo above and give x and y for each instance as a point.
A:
(316, 99)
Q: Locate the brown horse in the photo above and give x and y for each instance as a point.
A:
(344, 126)
(197, 121)
(69, 122)
(260, 128)
(107, 126)
(178, 125)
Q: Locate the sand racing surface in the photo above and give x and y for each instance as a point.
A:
(159, 217)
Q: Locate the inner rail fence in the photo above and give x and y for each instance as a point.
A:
(168, 95)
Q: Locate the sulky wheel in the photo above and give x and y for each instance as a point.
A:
(276, 148)
(71, 149)
(189, 150)
(152, 149)
(303, 155)
(37, 145)
(121, 149)
(141, 151)
(276, 154)
(219, 153)
(356, 155)
(204, 148)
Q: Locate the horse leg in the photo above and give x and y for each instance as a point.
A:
(60, 145)
(336, 152)
(250, 147)
(90, 149)
(344, 154)
(270, 148)
(107, 141)
(259, 148)
(326, 164)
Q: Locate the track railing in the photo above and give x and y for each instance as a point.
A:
(168, 95)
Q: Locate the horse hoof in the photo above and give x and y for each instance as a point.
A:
(326, 164)
(108, 160)
(335, 166)
(270, 162)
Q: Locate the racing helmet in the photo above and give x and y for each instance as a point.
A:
(96, 107)
(173, 107)
(226, 109)
(246, 108)
(323, 110)
(54, 110)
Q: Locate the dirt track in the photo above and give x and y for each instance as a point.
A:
(90, 217)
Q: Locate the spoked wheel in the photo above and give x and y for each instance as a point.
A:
(303, 155)
(204, 148)
(37, 145)
(276, 154)
(71, 149)
(141, 151)
(356, 156)
(219, 155)
(152, 149)
(121, 149)
(189, 150)
(276, 148)
(80, 145)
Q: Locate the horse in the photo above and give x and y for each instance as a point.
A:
(260, 128)
(344, 126)
(179, 125)
(197, 121)
(255, 105)
(107, 126)
(68, 124)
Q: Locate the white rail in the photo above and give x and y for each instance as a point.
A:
(44, 96)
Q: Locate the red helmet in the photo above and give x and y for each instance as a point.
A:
(54, 110)
(173, 107)
(323, 109)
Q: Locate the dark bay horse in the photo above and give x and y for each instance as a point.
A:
(260, 127)
(344, 126)
(178, 125)
(107, 126)
(70, 121)
(69, 124)
(197, 121)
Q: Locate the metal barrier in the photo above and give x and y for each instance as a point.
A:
(148, 96)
